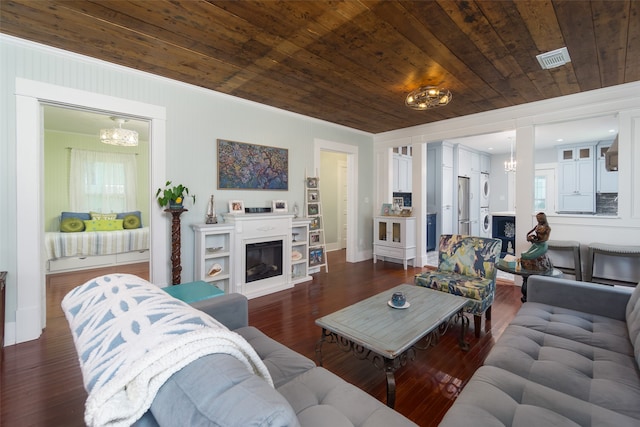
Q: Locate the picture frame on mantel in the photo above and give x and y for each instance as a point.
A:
(236, 207)
(243, 166)
(279, 206)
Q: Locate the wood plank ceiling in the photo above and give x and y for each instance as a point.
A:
(351, 62)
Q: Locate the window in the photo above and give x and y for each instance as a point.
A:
(540, 193)
(102, 181)
(543, 190)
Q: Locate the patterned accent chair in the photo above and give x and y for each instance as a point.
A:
(466, 267)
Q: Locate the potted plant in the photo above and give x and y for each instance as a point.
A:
(173, 195)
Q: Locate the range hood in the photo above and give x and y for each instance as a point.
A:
(611, 156)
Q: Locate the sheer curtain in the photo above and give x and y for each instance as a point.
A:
(102, 181)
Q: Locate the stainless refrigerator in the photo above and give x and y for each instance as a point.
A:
(464, 225)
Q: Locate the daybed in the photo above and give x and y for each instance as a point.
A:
(570, 357)
(79, 247)
(205, 387)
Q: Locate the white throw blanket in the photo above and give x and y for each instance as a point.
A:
(131, 336)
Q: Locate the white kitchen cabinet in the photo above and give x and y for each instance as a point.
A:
(576, 178)
(446, 206)
(212, 255)
(606, 181)
(475, 162)
(485, 163)
(474, 202)
(447, 155)
(464, 162)
(402, 173)
(440, 185)
(394, 237)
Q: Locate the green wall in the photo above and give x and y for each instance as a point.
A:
(330, 193)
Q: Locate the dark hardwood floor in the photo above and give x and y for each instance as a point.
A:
(42, 385)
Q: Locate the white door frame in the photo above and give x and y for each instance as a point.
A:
(352, 188)
(549, 170)
(342, 205)
(30, 94)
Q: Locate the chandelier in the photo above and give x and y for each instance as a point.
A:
(427, 97)
(510, 166)
(119, 136)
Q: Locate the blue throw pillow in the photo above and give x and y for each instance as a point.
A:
(80, 215)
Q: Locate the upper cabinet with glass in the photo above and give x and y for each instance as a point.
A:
(574, 175)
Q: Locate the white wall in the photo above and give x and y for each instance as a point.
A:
(195, 118)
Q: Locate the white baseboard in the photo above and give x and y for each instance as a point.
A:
(9, 334)
(30, 327)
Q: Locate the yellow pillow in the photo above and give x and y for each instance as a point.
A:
(103, 224)
(98, 215)
(71, 225)
(131, 221)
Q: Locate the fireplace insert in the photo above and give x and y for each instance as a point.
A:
(263, 260)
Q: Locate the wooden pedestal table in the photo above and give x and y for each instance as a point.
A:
(176, 268)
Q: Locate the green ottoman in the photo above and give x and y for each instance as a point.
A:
(193, 291)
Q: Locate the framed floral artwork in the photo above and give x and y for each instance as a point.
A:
(243, 166)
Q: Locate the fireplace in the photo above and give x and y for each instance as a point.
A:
(261, 253)
(263, 260)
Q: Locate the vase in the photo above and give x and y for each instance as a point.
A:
(175, 205)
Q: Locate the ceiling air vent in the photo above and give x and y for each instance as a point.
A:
(553, 59)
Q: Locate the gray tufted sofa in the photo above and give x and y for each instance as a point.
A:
(570, 357)
(218, 390)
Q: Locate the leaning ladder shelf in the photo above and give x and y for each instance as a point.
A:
(313, 210)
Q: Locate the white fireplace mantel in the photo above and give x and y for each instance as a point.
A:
(254, 228)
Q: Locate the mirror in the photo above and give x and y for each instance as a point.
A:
(572, 174)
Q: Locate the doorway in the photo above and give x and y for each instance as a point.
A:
(348, 205)
(30, 317)
(115, 179)
(333, 171)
